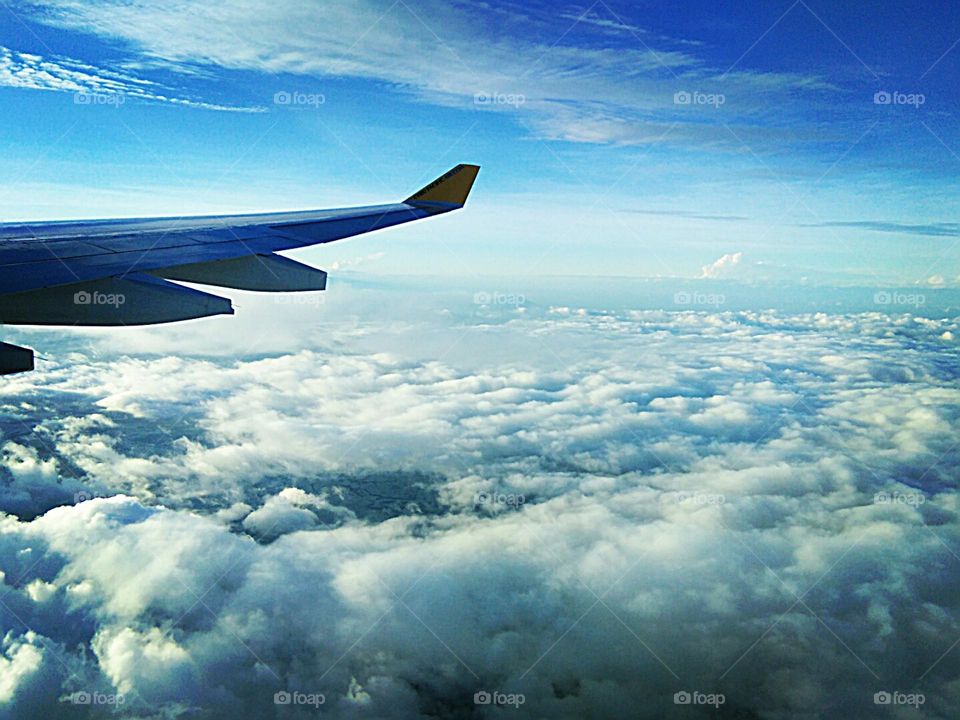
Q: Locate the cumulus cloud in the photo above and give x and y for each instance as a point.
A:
(936, 281)
(755, 504)
(723, 267)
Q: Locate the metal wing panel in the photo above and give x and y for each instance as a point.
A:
(314, 232)
(14, 252)
(50, 273)
(94, 229)
(42, 255)
(38, 264)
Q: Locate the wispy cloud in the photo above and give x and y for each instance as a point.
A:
(691, 215)
(597, 92)
(617, 25)
(938, 229)
(59, 74)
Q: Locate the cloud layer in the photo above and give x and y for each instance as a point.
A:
(596, 510)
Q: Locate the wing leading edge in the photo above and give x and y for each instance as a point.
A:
(121, 272)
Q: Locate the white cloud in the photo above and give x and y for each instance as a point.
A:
(89, 84)
(20, 659)
(290, 510)
(603, 93)
(349, 523)
(723, 267)
(144, 662)
(356, 261)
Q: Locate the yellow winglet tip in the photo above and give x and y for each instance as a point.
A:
(451, 188)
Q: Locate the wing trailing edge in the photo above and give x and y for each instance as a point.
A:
(260, 273)
(129, 300)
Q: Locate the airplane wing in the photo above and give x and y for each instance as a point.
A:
(125, 272)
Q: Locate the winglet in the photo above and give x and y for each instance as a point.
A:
(447, 192)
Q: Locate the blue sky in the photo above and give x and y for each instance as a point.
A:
(593, 163)
(718, 484)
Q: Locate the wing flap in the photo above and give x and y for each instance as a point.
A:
(132, 300)
(15, 359)
(260, 273)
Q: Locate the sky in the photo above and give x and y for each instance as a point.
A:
(639, 139)
(662, 424)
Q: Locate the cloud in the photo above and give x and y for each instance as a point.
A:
(290, 510)
(357, 261)
(396, 532)
(722, 267)
(942, 229)
(21, 658)
(691, 215)
(89, 84)
(448, 54)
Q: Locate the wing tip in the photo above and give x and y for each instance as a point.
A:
(449, 191)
